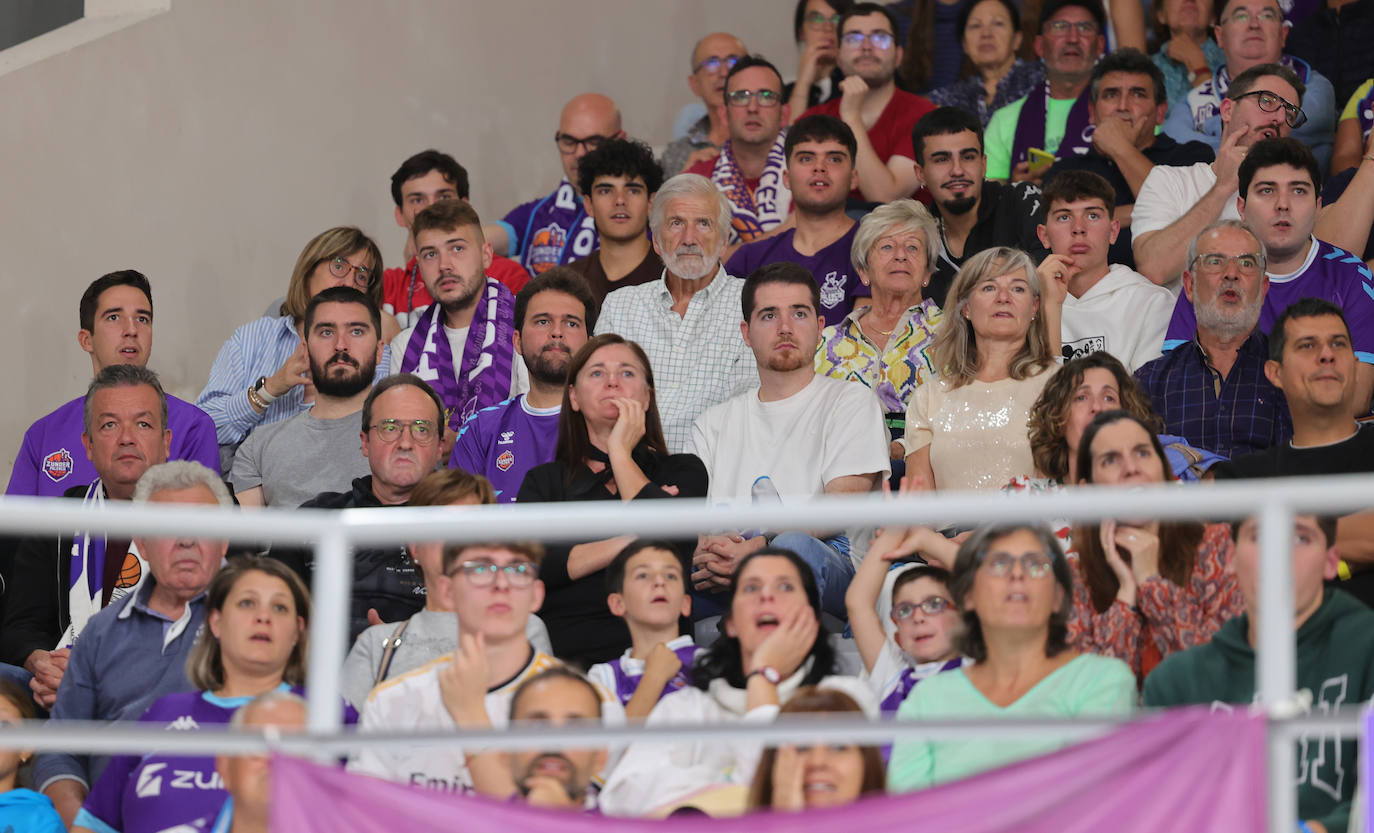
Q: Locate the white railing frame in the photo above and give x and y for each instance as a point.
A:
(333, 534)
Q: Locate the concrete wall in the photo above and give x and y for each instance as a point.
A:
(206, 145)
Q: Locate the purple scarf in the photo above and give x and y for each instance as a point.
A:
(485, 373)
(1030, 126)
(755, 212)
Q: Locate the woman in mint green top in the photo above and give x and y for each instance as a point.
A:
(1016, 592)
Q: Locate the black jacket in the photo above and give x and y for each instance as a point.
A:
(37, 610)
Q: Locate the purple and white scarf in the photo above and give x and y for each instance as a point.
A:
(484, 376)
(767, 205)
(1030, 126)
(86, 590)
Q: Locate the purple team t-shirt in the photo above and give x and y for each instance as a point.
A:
(552, 231)
(503, 442)
(834, 273)
(1330, 273)
(52, 460)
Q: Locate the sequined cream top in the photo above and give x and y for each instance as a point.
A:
(977, 433)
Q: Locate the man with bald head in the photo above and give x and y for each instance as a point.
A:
(555, 230)
(712, 59)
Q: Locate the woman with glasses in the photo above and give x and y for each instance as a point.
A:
(610, 447)
(1015, 590)
(262, 373)
(816, 25)
(990, 32)
(1144, 589)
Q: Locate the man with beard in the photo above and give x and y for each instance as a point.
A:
(880, 115)
(618, 182)
(1175, 200)
(1053, 117)
(463, 345)
(687, 321)
(553, 314)
(796, 436)
(974, 213)
(820, 172)
(1212, 389)
(289, 462)
(559, 779)
(1279, 182)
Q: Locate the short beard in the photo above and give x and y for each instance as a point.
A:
(958, 206)
(677, 268)
(549, 366)
(787, 363)
(1228, 327)
(342, 387)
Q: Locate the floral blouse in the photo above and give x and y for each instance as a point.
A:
(895, 371)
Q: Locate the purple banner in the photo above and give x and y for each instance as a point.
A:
(1185, 770)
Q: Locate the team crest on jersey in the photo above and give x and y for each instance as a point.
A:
(505, 460)
(58, 465)
(832, 290)
(546, 247)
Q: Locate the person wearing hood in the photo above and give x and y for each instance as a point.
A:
(1335, 664)
(1108, 306)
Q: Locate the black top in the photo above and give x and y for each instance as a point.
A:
(581, 628)
(1007, 216)
(1335, 42)
(37, 607)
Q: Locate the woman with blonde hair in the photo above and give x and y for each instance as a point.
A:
(994, 351)
(257, 611)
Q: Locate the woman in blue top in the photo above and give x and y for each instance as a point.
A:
(21, 808)
(1015, 589)
(254, 641)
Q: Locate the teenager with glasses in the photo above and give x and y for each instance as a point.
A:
(1144, 589)
(1014, 588)
(816, 25)
(610, 447)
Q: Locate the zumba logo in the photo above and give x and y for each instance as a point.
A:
(505, 461)
(58, 465)
(546, 247)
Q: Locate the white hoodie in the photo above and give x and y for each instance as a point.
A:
(1123, 313)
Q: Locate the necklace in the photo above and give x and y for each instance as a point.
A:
(875, 326)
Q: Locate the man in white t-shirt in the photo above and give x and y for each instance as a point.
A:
(1174, 202)
(494, 588)
(798, 435)
(1107, 306)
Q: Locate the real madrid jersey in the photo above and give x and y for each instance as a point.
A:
(504, 441)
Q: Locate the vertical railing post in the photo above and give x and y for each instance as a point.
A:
(1276, 670)
(331, 595)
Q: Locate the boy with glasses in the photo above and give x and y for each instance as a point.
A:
(880, 115)
(493, 588)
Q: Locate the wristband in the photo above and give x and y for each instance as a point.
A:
(1304, 827)
(260, 388)
(256, 401)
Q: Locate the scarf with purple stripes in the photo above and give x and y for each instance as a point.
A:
(757, 211)
(1030, 126)
(483, 378)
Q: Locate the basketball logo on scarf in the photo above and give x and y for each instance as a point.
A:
(546, 247)
(58, 465)
(753, 212)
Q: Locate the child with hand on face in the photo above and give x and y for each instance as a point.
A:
(646, 585)
(20, 808)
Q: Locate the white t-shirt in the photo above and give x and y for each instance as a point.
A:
(1123, 314)
(829, 429)
(1166, 195)
(457, 338)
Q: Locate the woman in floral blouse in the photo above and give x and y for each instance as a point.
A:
(1144, 589)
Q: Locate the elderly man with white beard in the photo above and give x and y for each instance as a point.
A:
(688, 320)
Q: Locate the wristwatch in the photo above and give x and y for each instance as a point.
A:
(768, 672)
(260, 388)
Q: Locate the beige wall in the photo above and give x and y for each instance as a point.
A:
(206, 145)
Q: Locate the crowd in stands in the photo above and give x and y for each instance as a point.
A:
(982, 245)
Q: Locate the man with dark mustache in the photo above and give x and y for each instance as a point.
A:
(554, 314)
(289, 462)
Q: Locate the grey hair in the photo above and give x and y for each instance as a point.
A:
(180, 474)
(1221, 224)
(955, 347)
(891, 218)
(267, 698)
(122, 376)
(690, 185)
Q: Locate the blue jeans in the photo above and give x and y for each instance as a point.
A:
(829, 562)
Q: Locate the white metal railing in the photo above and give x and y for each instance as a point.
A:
(333, 533)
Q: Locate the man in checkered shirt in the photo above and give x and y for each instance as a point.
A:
(688, 321)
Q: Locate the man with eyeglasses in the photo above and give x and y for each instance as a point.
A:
(1212, 389)
(880, 115)
(401, 427)
(1251, 33)
(555, 230)
(493, 588)
(1261, 103)
(751, 166)
(712, 59)
(1054, 118)
(289, 462)
(1279, 183)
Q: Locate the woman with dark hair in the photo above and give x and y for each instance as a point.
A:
(792, 778)
(770, 645)
(257, 615)
(1015, 589)
(610, 447)
(21, 808)
(989, 31)
(1145, 589)
(816, 25)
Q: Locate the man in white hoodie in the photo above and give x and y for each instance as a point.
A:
(1108, 306)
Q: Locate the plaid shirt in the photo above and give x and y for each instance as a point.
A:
(1234, 415)
(698, 360)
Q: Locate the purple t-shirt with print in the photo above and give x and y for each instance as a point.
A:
(834, 273)
(505, 441)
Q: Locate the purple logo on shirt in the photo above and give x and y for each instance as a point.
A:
(58, 465)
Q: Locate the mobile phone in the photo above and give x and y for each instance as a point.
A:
(1039, 160)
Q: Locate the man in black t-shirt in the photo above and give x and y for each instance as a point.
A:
(1313, 363)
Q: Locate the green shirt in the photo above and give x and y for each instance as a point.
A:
(1001, 132)
(1086, 685)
